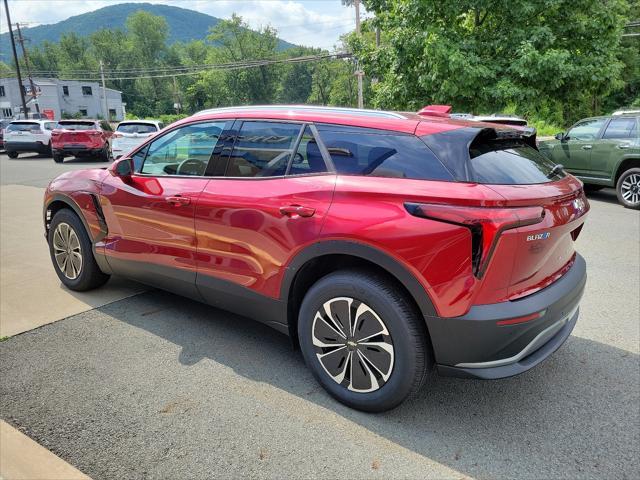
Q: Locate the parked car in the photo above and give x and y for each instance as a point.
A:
(131, 133)
(31, 136)
(602, 152)
(3, 124)
(82, 138)
(385, 244)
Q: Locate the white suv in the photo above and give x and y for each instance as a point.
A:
(28, 136)
(132, 133)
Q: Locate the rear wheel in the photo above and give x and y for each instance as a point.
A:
(58, 158)
(72, 254)
(105, 154)
(628, 188)
(363, 340)
(12, 154)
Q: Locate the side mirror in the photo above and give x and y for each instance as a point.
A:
(122, 168)
(560, 136)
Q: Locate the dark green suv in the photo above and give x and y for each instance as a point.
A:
(602, 152)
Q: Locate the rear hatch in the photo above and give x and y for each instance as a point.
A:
(23, 132)
(528, 242)
(74, 132)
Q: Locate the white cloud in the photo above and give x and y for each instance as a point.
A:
(316, 23)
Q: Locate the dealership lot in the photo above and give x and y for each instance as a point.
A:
(154, 385)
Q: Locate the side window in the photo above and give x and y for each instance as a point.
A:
(183, 151)
(138, 158)
(262, 149)
(392, 155)
(307, 158)
(621, 128)
(587, 130)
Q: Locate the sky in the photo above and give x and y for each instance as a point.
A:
(317, 23)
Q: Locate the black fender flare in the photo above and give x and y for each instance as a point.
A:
(70, 202)
(365, 252)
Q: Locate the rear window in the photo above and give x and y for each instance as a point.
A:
(77, 125)
(509, 162)
(136, 128)
(382, 155)
(23, 126)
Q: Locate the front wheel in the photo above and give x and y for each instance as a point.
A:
(364, 340)
(71, 253)
(628, 188)
(105, 154)
(12, 154)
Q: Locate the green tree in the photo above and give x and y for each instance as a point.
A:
(553, 58)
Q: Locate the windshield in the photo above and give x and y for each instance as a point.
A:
(23, 126)
(136, 128)
(77, 125)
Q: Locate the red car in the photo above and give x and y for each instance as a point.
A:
(385, 244)
(81, 138)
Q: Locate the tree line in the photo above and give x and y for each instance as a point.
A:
(552, 61)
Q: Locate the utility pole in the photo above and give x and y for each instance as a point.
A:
(34, 95)
(105, 104)
(176, 97)
(359, 72)
(15, 59)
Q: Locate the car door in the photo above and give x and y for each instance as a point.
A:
(574, 152)
(269, 205)
(150, 216)
(617, 139)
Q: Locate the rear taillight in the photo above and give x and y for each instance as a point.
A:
(485, 223)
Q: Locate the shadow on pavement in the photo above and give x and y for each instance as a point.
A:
(578, 409)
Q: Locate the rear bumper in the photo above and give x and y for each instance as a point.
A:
(475, 346)
(26, 147)
(77, 150)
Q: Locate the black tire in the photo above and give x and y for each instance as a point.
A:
(12, 154)
(407, 364)
(105, 154)
(591, 187)
(58, 158)
(628, 188)
(89, 275)
(48, 152)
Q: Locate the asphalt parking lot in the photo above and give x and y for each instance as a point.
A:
(157, 386)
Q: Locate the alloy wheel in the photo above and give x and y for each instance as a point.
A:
(353, 344)
(630, 188)
(67, 251)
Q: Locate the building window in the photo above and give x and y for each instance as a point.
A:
(7, 113)
(2, 94)
(83, 111)
(65, 90)
(112, 113)
(86, 90)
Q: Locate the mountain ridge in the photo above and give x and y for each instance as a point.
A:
(184, 24)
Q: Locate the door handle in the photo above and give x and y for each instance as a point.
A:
(587, 147)
(624, 145)
(178, 200)
(297, 210)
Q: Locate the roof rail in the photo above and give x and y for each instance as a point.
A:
(435, 111)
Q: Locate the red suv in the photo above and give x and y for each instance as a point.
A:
(384, 243)
(81, 138)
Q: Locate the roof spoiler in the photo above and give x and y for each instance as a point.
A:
(435, 111)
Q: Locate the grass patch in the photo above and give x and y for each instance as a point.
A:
(2, 339)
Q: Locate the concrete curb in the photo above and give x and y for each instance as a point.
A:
(23, 459)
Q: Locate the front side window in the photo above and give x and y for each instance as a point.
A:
(621, 128)
(382, 155)
(262, 149)
(183, 151)
(587, 130)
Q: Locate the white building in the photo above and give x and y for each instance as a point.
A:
(62, 97)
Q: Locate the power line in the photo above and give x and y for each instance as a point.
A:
(165, 72)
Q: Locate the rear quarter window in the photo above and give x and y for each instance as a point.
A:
(381, 155)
